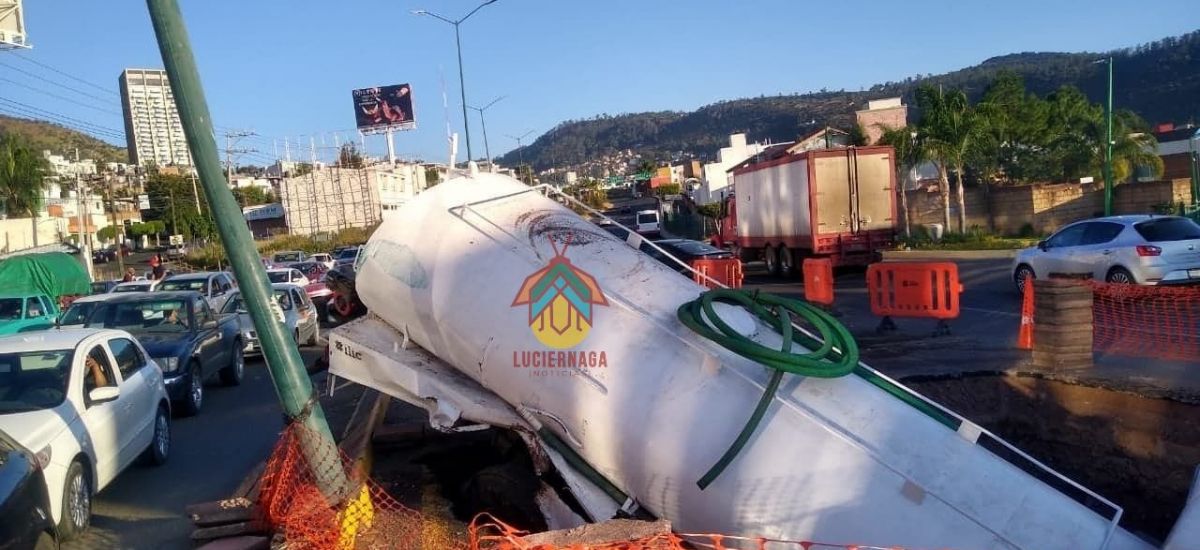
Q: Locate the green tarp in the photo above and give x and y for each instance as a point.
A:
(53, 273)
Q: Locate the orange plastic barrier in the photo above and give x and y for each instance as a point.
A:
(914, 289)
(727, 271)
(818, 280)
(1025, 333)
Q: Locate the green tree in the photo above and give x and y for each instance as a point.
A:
(350, 157)
(253, 196)
(22, 177)
(909, 154)
(432, 177)
(858, 135)
(173, 203)
(107, 233)
(667, 189)
(948, 126)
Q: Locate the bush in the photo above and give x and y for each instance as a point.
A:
(208, 256)
(709, 210)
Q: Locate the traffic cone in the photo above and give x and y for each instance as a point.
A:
(1025, 334)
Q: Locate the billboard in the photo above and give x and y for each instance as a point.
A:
(384, 108)
(12, 25)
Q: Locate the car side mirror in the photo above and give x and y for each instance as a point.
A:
(104, 394)
(210, 324)
(1043, 245)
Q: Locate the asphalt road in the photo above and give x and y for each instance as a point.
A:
(210, 454)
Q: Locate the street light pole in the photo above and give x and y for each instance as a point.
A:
(1108, 144)
(462, 86)
(521, 153)
(483, 122)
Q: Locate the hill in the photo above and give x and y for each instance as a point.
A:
(1159, 81)
(43, 135)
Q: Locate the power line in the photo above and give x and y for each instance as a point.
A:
(54, 115)
(59, 84)
(40, 115)
(64, 98)
(68, 75)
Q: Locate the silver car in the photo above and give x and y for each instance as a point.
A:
(1148, 250)
(299, 313)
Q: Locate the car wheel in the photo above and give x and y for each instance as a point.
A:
(772, 260)
(1022, 274)
(195, 394)
(233, 374)
(787, 263)
(76, 503)
(160, 446)
(1120, 276)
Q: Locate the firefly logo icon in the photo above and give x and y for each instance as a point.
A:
(560, 298)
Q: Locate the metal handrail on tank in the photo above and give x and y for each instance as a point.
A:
(1031, 462)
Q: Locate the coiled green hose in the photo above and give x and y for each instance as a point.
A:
(834, 354)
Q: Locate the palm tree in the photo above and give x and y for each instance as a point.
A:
(909, 154)
(22, 179)
(950, 127)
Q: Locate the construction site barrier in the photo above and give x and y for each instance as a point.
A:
(727, 271)
(1159, 322)
(914, 289)
(291, 504)
(818, 280)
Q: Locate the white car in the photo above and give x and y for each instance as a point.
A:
(1149, 250)
(88, 402)
(299, 314)
(136, 286)
(323, 259)
(288, 275)
(646, 222)
(77, 313)
(215, 286)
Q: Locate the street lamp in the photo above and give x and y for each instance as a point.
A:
(1108, 145)
(487, 150)
(461, 82)
(520, 148)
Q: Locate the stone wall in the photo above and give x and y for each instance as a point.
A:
(1045, 207)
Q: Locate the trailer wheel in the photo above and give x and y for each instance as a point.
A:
(771, 256)
(787, 262)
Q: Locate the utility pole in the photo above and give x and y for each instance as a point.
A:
(174, 220)
(118, 229)
(483, 122)
(85, 250)
(1108, 144)
(290, 377)
(231, 139)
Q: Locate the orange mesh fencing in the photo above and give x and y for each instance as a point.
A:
(1161, 322)
(292, 503)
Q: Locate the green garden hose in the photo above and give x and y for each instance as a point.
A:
(834, 354)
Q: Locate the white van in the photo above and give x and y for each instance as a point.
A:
(647, 222)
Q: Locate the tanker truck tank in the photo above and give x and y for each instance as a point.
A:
(564, 321)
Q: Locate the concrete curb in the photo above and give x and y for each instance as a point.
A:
(893, 255)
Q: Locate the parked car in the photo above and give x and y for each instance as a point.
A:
(685, 250)
(104, 255)
(288, 257)
(88, 403)
(77, 313)
(345, 256)
(323, 259)
(177, 251)
(647, 223)
(213, 285)
(315, 271)
(287, 275)
(101, 287)
(26, 311)
(299, 313)
(184, 336)
(1148, 250)
(24, 499)
(55, 277)
(137, 286)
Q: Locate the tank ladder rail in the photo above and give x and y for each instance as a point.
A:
(968, 430)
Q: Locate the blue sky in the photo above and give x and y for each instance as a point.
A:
(286, 68)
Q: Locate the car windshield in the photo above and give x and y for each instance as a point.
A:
(647, 218)
(34, 380)
(141, 316)
(288, 257)
(133, 288)
(78, 313)
(236, 305)
(199, 285)
(278, 276)
(10, 309)
(348, 254)
(1168, 229)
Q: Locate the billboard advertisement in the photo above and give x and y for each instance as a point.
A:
(384, 108)
(12, 25)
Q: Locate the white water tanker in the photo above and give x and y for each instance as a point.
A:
(571, 325)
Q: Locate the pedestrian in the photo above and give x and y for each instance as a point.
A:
(156, 266)
(130, 275)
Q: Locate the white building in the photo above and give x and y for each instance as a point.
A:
(240, 182)
(152, 129)
(715, 177)
(69, 169)
(399, 185)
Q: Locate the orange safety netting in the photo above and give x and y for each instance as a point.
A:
(1160, 322)
(292, 503)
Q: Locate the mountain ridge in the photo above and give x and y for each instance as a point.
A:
(58, 139)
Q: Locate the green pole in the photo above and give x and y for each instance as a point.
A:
(283, 357)
(1108, 145)
(1195, 167)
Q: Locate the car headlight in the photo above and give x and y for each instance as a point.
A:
(43, 456)
(168, 364)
